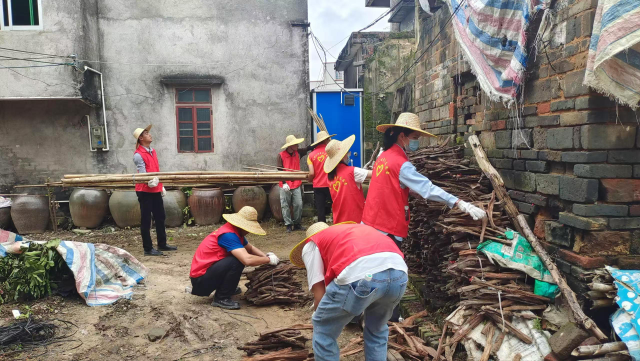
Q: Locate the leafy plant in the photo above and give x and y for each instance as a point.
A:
(186, 214)
(187, 190)
(537, 324)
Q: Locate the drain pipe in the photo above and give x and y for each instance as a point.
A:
(104, 112)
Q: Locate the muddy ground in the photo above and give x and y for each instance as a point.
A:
(119, 331)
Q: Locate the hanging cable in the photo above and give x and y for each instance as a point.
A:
(31, 52)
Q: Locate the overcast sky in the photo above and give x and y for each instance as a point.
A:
(332, 21)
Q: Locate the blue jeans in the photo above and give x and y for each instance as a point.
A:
(341, 303)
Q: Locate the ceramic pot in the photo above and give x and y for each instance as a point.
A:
(88, 207)
(174, 202)
(125, 208)
(30, 214)
(5, 217)
(207, 205)
(252, 196)
(274, 203)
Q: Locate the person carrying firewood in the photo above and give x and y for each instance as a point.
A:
(387, 207)
(345, 182)
(351, 268)
(220, 258)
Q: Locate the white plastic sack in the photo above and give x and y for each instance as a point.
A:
(5, 202)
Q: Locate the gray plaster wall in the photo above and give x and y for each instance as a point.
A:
(250, 44)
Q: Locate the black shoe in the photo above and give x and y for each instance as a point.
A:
(238, 291)
(167, 247)
(153, 252)
(299, 227)
(289, 229)
(227, 304)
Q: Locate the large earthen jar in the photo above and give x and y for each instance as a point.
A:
(30, 214)
(125, 208)
(252, 196)
(175, 202)
(88, 207)
(274, 203)
(206, 205)
(5, 217)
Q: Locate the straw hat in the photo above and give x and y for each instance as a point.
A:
(247, 219)
(138, 131)
(322, 135)
(292, 140)
(336, 150)
(405, 120)
(295, 256)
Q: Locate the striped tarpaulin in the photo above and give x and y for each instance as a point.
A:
(613, 65)
(492, 35)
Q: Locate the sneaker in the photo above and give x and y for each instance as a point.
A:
(167, 247)
(238, 291)
(299, 227)
(153, 252)
(289, 229)
(227, 304)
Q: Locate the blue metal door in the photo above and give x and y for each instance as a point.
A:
(341, 119)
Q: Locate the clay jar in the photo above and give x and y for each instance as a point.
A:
(274, 203)
(30, 214)
(252, 196)
(207, 205)
(5, 217)
(174, 203)
(125, 208)
(88, 207)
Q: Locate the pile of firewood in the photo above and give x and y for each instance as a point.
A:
(281, 344)
(602, 291)
(275, 285)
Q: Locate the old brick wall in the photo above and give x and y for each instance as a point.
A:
(569, 156)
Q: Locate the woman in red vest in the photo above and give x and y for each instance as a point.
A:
(315, 161)
(345, 182)
(291, 191)
(387, 207)
(220, 258)
(351, 269)
(150, 194)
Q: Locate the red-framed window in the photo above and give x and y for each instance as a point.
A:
(193, 118)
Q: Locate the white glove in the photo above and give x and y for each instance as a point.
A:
(273, 259)
(153, 182)
(164, 192)
(286, 187)
(475, 212)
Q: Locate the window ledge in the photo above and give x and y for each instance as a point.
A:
(180, 80)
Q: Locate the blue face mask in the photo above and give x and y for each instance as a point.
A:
(414, 144)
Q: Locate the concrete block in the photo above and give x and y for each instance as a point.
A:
(588, 117)
(558, 233)
(541, 121)
(584, 157)
(624, 156)
(502, 163)
(503, 139)
(536, 199)
(529, 154)
(604, 243)
(542, 90)
(607, 136)
(634, 210)
(592, 210)
(602, 171)
(588, 224)
(572, 84)
(495, 153)
(548, 183)
(625, 223)
(629, 262)
(522, 138)
(539, 138)
(566, 339)
(560, 138)
(563, 104)
(519, 164)
(594, 102)
(550, 155)
(517, 195)
(523, 181)
(578, 189)
(563, 265)
(526, 208)
(621, 190)
(537, 166)
(529, 110)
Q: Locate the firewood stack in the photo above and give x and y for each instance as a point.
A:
(602, 291)
(270, 285)
(285, 343)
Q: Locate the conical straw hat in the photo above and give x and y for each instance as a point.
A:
(336, 150)
(138, 131)
(247, 219)
(295, 256)
(405, 120)
(322, 135)
(292, 140)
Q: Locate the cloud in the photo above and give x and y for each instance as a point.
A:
(332, 21)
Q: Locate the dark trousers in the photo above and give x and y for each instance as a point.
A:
(322, 198)
(222, 277)
(151, 203)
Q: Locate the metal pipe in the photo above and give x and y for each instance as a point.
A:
(89, 128)
(104, 112)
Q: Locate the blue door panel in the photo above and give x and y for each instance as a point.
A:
(343, 120)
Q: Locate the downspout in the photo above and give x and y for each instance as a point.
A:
(104, 112)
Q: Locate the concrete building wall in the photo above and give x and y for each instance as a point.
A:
(251, 45)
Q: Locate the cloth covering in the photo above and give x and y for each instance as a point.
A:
(492, 35)
(103, 274)
(613, 64)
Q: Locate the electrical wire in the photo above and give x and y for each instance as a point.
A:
(8, 58)
(31, 52)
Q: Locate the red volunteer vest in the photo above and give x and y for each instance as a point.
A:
(348, 199)
(291, 161)
(317, 158)
(209, 252)
(386, 200)
(151, 164)
(342, 244)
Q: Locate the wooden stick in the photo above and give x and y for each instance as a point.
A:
(489, 344)
(523, 228)
(517, 357)
(597, 350)
(441, 342)
(373, 157)
(287, 169)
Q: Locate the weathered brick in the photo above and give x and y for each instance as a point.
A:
(541, 121)
(550, 155)
(607, 136)
(526, 207)
(629, 262)
(584, 157)
(511, 153)
(563, 66)
(572, 84)
(582, 5)
(602, 171)
(624, 156)
(585, 262)
(548, 183)
(528, 110)
(588, 117)
(523, 181)
(588, 224)
(566, 339)
(537, 166)
(604, 243)
(503, 139)
(625, 223)
(519, 164)
(502, 163)
(634, 210)
(536, 199)
(560, 138)
(542, 90)
(593, 102)
(591, 210)
(635, 242)
(621, 190)
(563, 265)
(563, 105)
(529, 154)
(576, 138)
(544, 108)
(558, 233)
(522, 138)
(578, 189)
(539, 138)
(495, 153)
(636, 171)
(517, 195)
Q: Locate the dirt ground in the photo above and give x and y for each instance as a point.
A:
(119, 331)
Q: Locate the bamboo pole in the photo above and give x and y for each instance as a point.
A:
(209, 178)
(523, 228)
(597, 350)
(74, 176)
